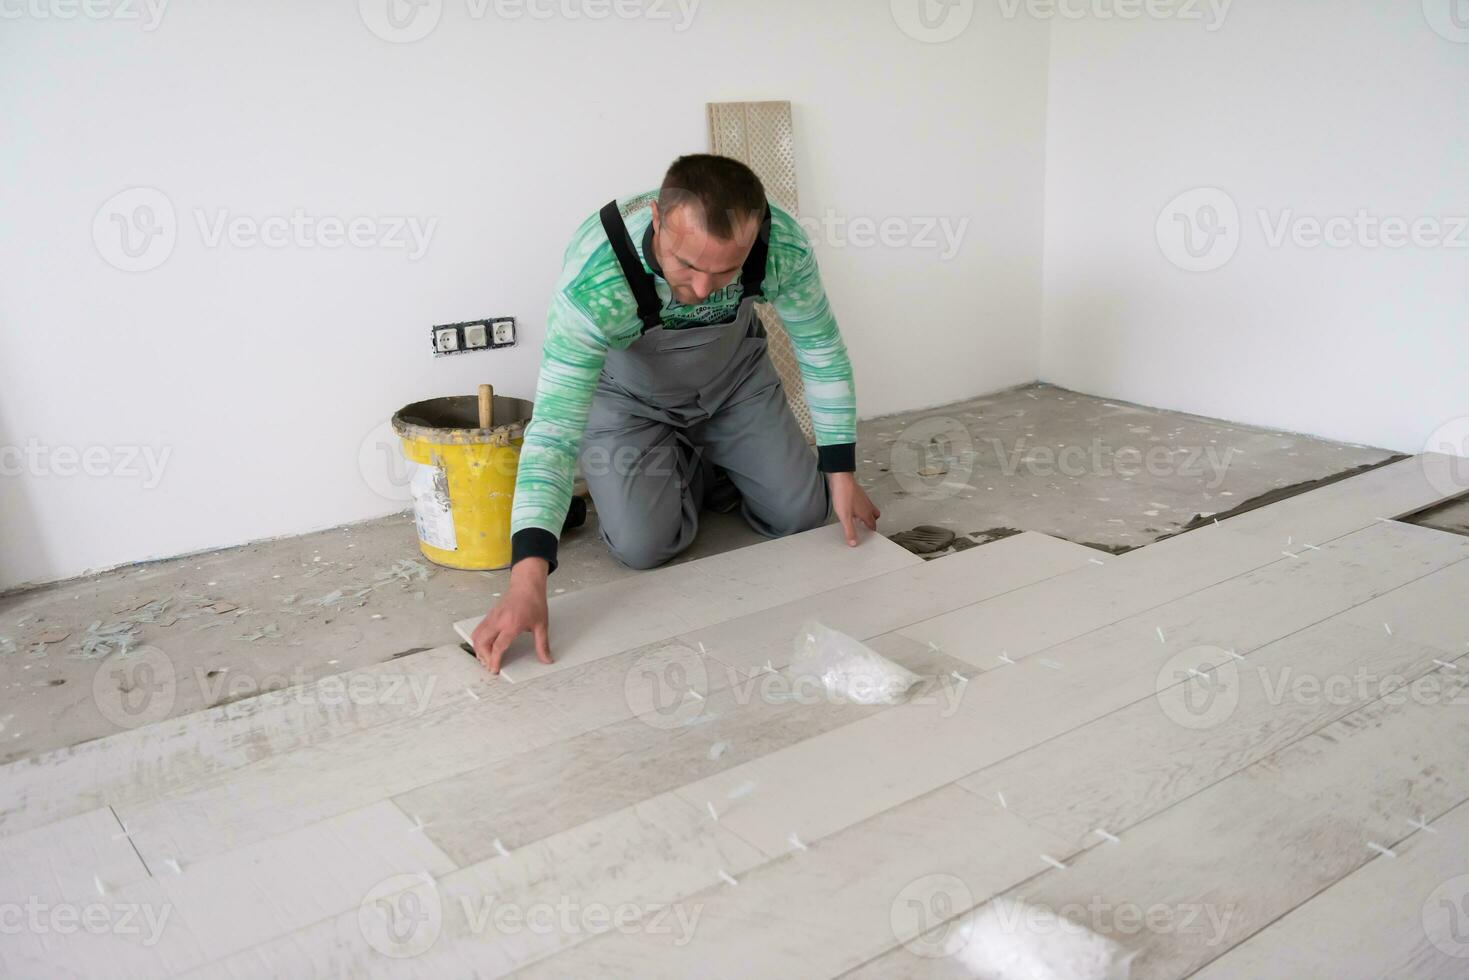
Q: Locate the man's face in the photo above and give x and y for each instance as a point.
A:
(695, 263)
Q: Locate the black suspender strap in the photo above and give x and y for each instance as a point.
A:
(650, 307)
(752, 276)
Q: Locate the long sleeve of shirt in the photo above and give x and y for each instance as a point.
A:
(593, 310)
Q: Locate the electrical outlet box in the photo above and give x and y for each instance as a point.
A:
(472, 335)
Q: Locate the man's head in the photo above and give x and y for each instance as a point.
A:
(705, 222)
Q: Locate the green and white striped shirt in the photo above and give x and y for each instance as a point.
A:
(593, 310)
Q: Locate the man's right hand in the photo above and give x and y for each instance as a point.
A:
(521, 610)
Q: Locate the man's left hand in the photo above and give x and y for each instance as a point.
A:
(851, 505)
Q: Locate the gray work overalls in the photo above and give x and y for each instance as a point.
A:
(675, 404)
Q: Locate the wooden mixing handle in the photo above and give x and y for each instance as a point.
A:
(486, 406)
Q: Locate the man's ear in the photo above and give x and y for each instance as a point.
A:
(657, 220)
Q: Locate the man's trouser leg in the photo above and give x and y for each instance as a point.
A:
(758, 441)
(644, 478)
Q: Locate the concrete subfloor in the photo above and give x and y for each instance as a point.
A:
(264, 616)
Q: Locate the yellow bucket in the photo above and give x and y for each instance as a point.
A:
(463, 477)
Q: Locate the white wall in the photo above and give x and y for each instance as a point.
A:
(262, 372)
(1318, 108)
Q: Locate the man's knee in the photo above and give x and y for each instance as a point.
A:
(642, 553)
(800, 513)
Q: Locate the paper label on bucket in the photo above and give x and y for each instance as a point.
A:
(432, 512)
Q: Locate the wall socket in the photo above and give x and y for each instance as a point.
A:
(472, 335)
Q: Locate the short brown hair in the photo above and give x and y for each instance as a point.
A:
(726, 191)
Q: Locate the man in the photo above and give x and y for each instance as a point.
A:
(655, 355)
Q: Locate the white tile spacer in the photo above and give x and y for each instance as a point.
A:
(1290, 540)
(933, 646)
(1385, 852)
(713, 813)
(796, 842)
(728, 878)
(174, 866)
(1002, 799)
(1096, 561)
(1310, 547)
(1050, 664)
(702, 652)
(1234, 654)
(958, 677)
(1446, 665)
(1110, 838)
(1005, 659)
(770, 667)
(417, 826)
(97, 880)
(1053, 862)
(696, 694)
(743, 789)
(1195, 672)
(500, 848)
(1388, 628)
(471, 693)
(1290, 554)
(1160, 634)
(1421, 824)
